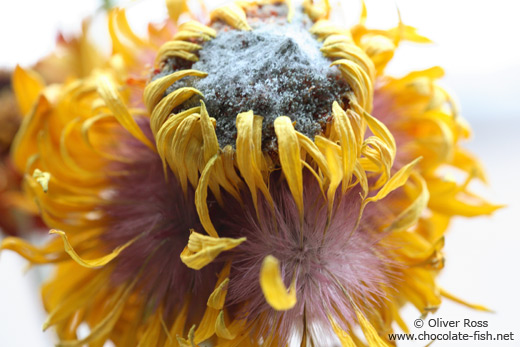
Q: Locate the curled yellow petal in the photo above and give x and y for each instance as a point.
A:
(202, 250)
(163, 109)
(247, 155)
(93, 263)
(381, 131)
(179, 49)
(154, 91)
(33, 254)
(359, 80)
(201, 194)
(333, 157)
(347, 141)
(233, 15)
(396, 181)
(380, 49)
(273, 287)
(217, 298)
(221, 330)
(316, 12)
(289, 151)
(195, 27)
(208, 133)
(115, 104)
(412, 213)
(24, 144)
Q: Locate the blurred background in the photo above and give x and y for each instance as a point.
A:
(476, 42)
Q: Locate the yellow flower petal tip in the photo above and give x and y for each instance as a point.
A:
(458, 300)
(27, 85)
(221, 329)
(273, 287)
(372, 336)
(202, 250)
(42, 178)
(91, 263)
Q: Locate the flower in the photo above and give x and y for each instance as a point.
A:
(255, 181)
(17, 214)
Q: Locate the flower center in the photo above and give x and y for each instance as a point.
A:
(276, 69)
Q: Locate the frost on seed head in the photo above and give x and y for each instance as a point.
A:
(275, 70)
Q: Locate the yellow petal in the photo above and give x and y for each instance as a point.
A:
(347, 140)
(359, 80)
(202, 250)
(24, 144)
(465, 161)
(176, 8)
(412, 213)
(154, 91)
(211, 146)
(316, 12)
(27, 86)
(310, 147)
(381, 131)
(221, 329)
(120, 111)
(273, 287)
(105, 326)
(197, 27)
(344, 338)
(232, 15)
(93, 263)
(201, 202)
(218, 297)
(33, 254)
(76, 299)
(153, 331)
(178, 49)
(190, 342)
(290, 159)
(333, 156)
(247, 156)
(380, 49)
(163, 109)
(206, 327)
(373, 338)
(324, 29)
(456, 202)
(452, 297)
(397, 180)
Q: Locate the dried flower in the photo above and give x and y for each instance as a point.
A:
(255, 181)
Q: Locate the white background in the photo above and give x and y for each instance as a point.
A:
(477, 44)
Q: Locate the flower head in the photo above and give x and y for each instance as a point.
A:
(256, 180)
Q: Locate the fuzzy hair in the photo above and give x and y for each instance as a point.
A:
(144, 201)
(322, 261)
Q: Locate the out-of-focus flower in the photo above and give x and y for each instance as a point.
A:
(10, 120)
(254, 181)
(73, 58)
(17, 213)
